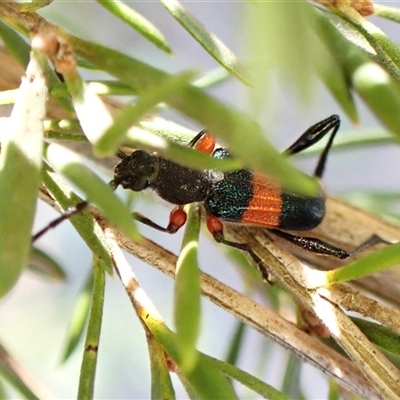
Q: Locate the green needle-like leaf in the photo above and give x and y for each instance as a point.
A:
(278, 38)
(95, 189)
(380, 92)
(208, 40)
(137, 22)
(388, 12)
(79, 319)
(12, 372)
(205, 379)
(236, 343)
(335, 80)
(20, 164)
(230, 124)
(375, 262)
(334, 390)
(34, 5)
(2, 390)
(83, 223)
(89, 362)
(161, 385)
(92, 113)
(187, 293)
(16, 45)
(250, 381)
(42, 264)
(371, 81)
(108, 144)
(380, 335)
(291, 381)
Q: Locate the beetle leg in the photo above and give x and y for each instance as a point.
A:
(216, 228)
(177, 218)
(318, 246)
(313, 135)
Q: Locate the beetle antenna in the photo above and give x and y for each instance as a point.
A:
(120, 154)
(69, 212)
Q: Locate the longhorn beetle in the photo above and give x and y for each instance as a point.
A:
(241, 196)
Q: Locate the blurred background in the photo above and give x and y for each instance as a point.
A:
(34, 318)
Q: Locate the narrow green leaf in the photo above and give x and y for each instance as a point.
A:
(3, 394)
(15, 44)
(382, 197)
(334, 390)
(212, 78)
(334, 79)
(356, 139)
(250, 275)
(100, 87)
(83, 222)
(209, 383)
(205, 380)
(108, 144)
(10, 370)
(85, 64)
(278, 38)
(42, 264)
(384, 11)
(187, 293)
(34, 5)
(346, 29)
(65, 129)
(236, 343)
(95, 189)
(137, 22)
(168, 130)
(380, 203)
(208, 378)
(87, 105)
(183, 155)
(171, 141)
(375, 262)
(381, 94)
(191, 394)
(250, 381)
(20, 163)
(78, 319)
(161, 385)
(89, 361)
(371, 81)
(219, 119)
(380, 335)
(208, 40)
(291, 381)
(387, 51)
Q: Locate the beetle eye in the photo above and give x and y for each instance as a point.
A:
(138, 185)
(135, 172)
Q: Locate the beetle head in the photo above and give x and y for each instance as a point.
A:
(136, 171)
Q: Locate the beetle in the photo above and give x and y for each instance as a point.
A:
(241, 196)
